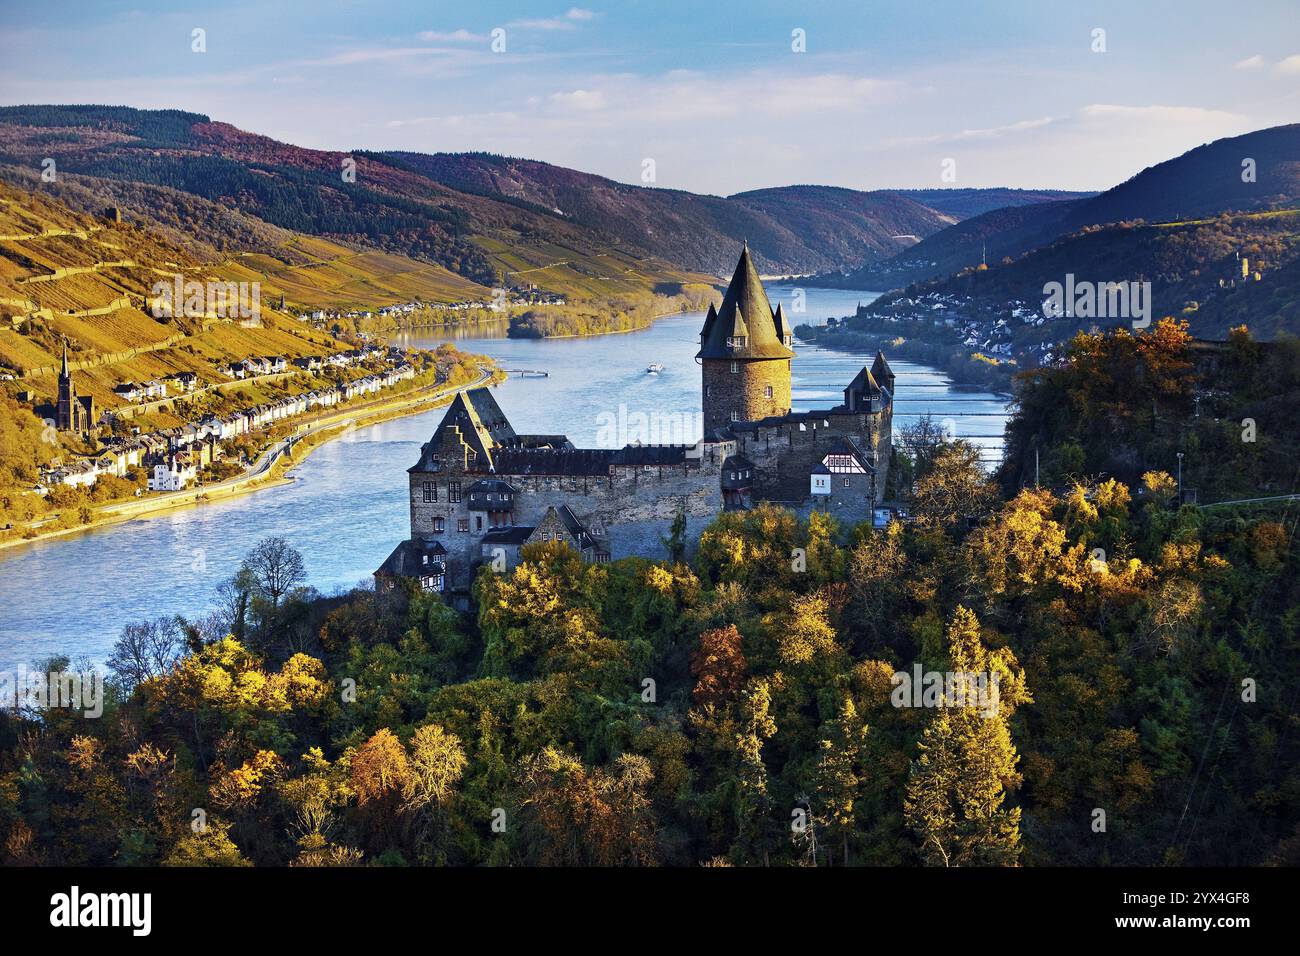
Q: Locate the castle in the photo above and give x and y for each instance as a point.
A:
(480, 491)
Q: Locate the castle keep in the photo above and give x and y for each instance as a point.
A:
(480, 491)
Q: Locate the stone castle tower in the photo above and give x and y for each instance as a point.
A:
(745, 354)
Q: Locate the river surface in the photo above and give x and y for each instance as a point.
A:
(346, 507)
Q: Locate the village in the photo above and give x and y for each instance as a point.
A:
(514, 297)
(175, 457)
(1003, 329)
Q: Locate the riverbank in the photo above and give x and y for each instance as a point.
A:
(962, 366)
(270, 467)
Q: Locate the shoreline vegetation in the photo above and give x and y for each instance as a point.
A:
(963, 366)
(284, 452)
(622, 313)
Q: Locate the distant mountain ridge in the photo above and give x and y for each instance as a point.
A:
(487, 218)
(1204, 181)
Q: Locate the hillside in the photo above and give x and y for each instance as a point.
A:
(965, 203)
(792, 229)
(1195, 269)
(1202, 182)
(65, 275)
(387, 207)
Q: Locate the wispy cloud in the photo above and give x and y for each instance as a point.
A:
(566, 21)
(451, 36)
(1290, 66)
(1255, 62)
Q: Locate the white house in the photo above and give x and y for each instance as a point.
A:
(173, 475)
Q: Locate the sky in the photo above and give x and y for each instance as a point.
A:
(1023, 93)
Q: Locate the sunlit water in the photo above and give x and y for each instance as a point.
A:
(346, 507)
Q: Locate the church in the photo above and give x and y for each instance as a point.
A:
(480, 491)
(72, 412)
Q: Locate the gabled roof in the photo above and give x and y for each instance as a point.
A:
(575, 527)
(849, 446)
(864, 382)
(745, 312)
(514, 535)
(481, 424)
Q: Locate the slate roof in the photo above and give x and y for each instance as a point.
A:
(881, 371)
(746, 312)
(410, 559)
(514, 535)
(576, 528)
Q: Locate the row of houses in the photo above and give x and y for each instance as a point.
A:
(517, 297)
(176, 455)
(180, 383)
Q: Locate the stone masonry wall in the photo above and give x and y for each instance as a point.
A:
(633, 507)
(744, 391)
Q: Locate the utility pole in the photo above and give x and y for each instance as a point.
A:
(1180, 479)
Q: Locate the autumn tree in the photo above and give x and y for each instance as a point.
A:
(966, 762)
(840, 773)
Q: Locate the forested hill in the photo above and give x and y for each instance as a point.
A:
(1255, 172)
(684, 713)
(485, 217)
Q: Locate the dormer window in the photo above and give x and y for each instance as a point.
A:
(736, 341)
(787, 338)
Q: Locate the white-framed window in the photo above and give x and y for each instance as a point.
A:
(735, 415)
(767, 391)
(735, 367)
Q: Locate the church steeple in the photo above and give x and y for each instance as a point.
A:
(63, 372)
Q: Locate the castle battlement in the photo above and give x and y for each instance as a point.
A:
(480, 491)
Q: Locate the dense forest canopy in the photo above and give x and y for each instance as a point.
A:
(744, 708)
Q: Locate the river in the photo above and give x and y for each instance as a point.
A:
(346, 507)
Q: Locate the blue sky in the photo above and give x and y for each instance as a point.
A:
(710, 90)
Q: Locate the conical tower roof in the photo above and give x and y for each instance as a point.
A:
(745, 326)
(880, 369)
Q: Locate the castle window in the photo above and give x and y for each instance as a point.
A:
(735, 415)
(735, 367)
(430, 491)
(453, 491)
(736, 342)
(478, 522)
(439, 525)
(846, 482)
(462, 525)
(767, 392)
